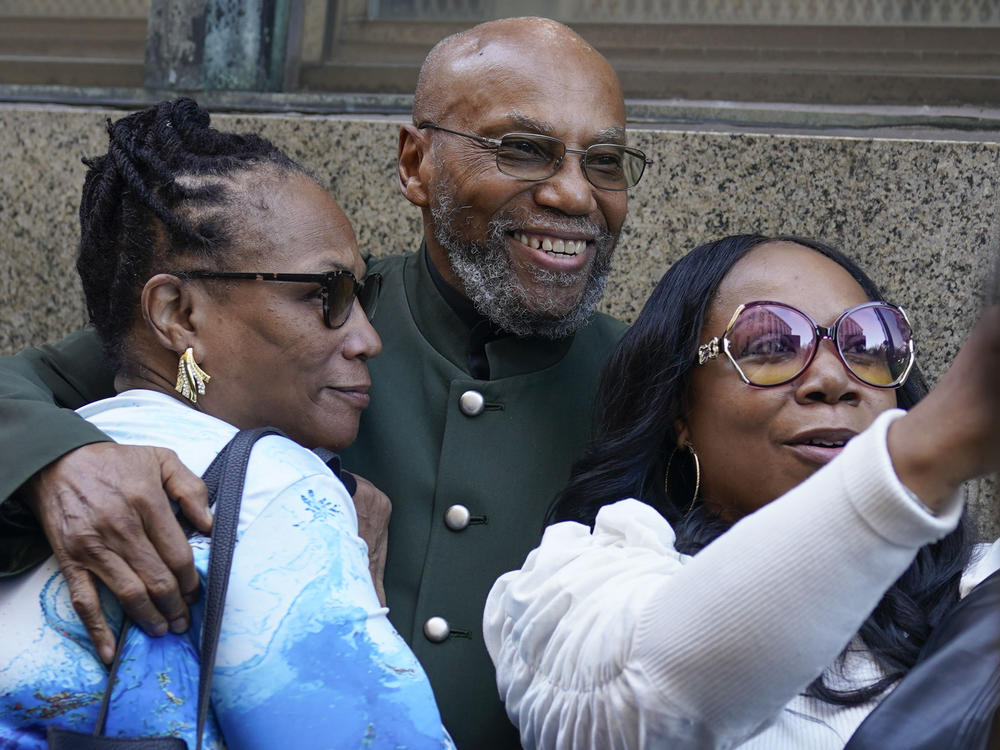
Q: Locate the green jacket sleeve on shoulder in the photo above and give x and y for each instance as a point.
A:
(39, 388)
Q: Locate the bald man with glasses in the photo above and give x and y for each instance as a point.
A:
(517, 158)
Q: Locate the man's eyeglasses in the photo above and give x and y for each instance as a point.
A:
(530, 156)
(770, 343)
(338, 289)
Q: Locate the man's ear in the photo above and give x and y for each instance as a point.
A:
(167, 306)
(414, 152)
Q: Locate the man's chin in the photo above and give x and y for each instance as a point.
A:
(551, 305)
(524, 299)
(548, 315)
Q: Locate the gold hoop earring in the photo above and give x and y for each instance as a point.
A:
(191, 379)
(697, 476)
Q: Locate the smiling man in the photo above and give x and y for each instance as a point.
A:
(523, 227)
(482, 396)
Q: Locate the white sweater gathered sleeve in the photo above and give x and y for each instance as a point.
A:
(613, 639)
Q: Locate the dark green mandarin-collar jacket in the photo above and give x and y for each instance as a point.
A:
(504, 465)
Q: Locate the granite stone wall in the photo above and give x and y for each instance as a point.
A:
(922, 216)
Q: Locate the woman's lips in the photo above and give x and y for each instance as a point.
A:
(816, 454)
(820, 446)
(355, 394)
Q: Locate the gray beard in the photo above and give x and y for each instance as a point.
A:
(491, 284)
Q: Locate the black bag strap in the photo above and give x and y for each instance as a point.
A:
(102, 715)
(224, 479)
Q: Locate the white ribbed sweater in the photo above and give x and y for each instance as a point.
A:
(613, 639)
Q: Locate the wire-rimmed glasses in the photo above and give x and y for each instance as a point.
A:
(532, 156)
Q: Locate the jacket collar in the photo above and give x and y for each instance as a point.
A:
(450, 329)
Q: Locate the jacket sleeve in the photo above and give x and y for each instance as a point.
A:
(39, 388)
(612, 639)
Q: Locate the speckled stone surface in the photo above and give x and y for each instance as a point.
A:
(922, 216)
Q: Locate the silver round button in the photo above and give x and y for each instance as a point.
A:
(457, 517)
(472, 403)
(437, 630)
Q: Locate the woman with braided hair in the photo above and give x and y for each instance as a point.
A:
(228, 292)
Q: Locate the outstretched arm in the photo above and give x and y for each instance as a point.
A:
(954, 433)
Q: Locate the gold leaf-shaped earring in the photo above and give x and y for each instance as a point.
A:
(191, 379)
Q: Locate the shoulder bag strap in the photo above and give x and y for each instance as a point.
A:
(224, 479)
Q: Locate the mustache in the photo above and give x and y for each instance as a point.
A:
(513, 219)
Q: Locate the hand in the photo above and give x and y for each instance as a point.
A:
(374, 508)
(105, 511)
(954, 433)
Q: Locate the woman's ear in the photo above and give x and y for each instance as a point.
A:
(683, 433)
(410, 164)
(167, 306)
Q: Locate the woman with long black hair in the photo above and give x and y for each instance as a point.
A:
(750, 599)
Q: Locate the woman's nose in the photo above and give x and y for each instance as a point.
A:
(362, 340)
(827, 378)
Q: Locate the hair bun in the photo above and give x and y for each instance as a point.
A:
(185, 115)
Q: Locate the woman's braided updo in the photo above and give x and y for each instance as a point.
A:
(164, 189)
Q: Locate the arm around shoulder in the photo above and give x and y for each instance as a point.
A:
(38, 390)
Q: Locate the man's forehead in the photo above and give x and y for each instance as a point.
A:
(536, 91)
(520, 120)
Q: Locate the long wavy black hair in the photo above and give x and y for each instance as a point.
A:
(645, 390)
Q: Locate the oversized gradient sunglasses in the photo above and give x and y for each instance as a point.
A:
(771, 343)
(338, 289)
(531, 156)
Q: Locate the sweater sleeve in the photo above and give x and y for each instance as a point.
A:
(39, 388)
(615, 640)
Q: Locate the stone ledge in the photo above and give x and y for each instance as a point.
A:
(966, 122)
